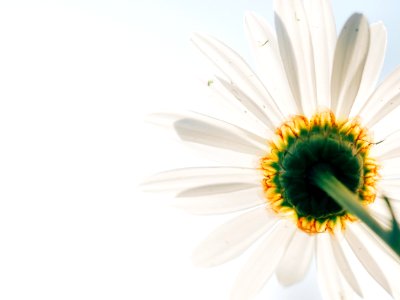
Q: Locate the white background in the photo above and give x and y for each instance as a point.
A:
(77, 79)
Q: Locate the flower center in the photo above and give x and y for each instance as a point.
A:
(300, 146)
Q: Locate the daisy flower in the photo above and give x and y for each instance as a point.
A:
(310, 110)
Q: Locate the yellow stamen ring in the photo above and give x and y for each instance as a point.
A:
(298, 146)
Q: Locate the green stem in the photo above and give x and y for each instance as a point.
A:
(325, 180)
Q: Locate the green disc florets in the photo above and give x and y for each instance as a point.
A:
(301, 146)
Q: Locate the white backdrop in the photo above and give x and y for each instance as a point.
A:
(77, 79)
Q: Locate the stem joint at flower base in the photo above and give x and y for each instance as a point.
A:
(325, 180)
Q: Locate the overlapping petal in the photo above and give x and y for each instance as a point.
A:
(261, 265)
(303, 69)
(297, 51)
(348, 65)
(242, 79)
(285, 272)
(233, 238)
(269, 63)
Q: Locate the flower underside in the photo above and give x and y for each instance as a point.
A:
(300, 146)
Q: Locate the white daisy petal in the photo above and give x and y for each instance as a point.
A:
(390, 190)
(266, 50)
(366, 259)
(185, 178)
(332, 288)
(296, 51)
(323, 36)
(380, 249)
(169, 119)
(218, 135)
(233, 238)
(223, 100)
(389, 169)
(344, 265)
(201, 129)
(222, 202)
(348, 65)
(242, 78)
(389, 147)
(244, 100)
(219, 188)
(382, 245)
(374, 62)
(384, 109)
(304, 69)
(263, 262)
(386, 91)
(296, 260)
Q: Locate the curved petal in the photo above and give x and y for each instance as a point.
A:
(296, 51)
(389, 169)
(266, 50)
(222, 203)
(366, 259)
(180, 179)
(263, 262)
(389, 147)
(386, 256)
(223, 101)
(383, 109)
(388, 89)
(382, 246)
(332, 288)
(205, 130)
(373, 64)
(214, 189)
(233, 238)
(296, 260)
(244, 100)
(242, 78)
(344, 265)
(348, 64)
(323, 35)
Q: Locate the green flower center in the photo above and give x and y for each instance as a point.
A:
(303, 145)
(296, 169)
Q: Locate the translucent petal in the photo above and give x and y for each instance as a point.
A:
(205, 130)
(266, 50)
(373, 64)
(222, 202)
(233, 238)
(344, 265)
(296, 260)
(219, 188)
(382, 245)
(348, 64)
(225, 103)
(242, 78)
(332, 288)
(263, 262)
(387, 258)
(389, 147)
(390, 189)
(244, 99)
(383, 109)
(389, 169)
(386, 91)
(185, 178)
(366, 259)
(323, 35)
(296, 51)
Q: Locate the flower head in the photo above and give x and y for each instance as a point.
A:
(301, 146)
(315, 104)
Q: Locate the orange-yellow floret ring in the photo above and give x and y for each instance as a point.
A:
(302, 144)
